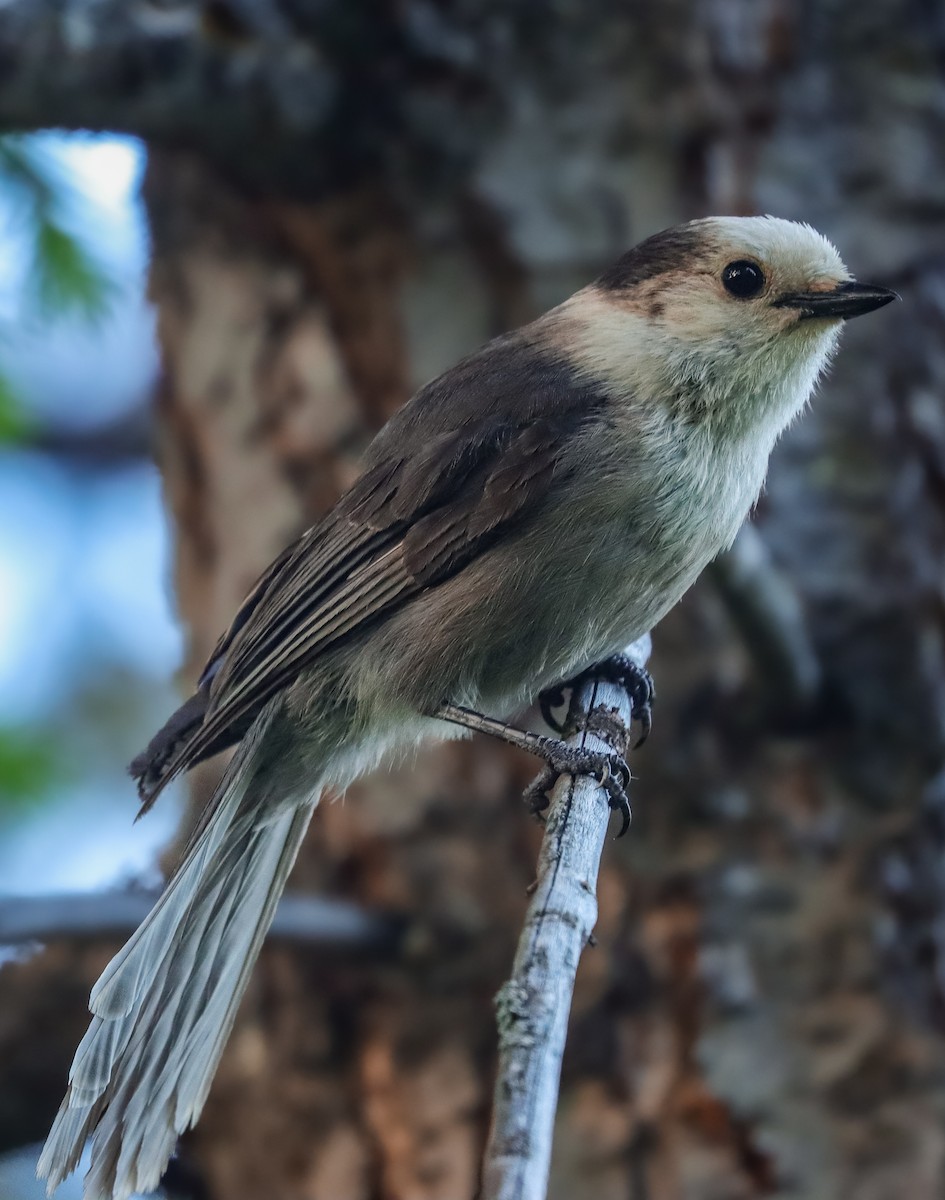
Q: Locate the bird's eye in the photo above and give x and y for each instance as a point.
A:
(743, 279)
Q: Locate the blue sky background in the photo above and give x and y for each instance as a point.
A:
(88, 639)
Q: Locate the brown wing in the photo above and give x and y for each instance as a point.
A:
(405, 526)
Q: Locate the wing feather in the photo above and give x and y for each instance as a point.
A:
(411, 521)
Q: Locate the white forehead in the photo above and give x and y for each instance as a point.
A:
(790, 247)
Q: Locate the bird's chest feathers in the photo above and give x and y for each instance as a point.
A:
(698, 487)
(710, 485)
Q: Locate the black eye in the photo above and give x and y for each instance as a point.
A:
(743, 279)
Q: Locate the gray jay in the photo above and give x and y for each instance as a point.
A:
(527, 514)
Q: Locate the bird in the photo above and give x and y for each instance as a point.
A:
(526, 514)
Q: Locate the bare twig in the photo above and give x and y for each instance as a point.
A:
(310, 920)
(533, 1006)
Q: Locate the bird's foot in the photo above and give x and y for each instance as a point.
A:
(636, 681)
(609, 769)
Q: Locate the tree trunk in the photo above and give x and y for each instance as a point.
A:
(281, 332)
(762, 1014)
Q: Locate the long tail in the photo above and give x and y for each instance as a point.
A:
(164, 1006)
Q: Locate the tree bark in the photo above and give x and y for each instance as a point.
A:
(763, 1012)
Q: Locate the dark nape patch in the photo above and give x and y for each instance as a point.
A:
(670, 250)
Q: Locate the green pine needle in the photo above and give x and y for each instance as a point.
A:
(14, 423)
(27, 769)
(65, 276)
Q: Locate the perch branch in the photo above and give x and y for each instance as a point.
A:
(534, 1004)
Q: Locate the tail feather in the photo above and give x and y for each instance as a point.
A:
(164, 1007)
(66, 1141)
(103, 1044)
(120, 985)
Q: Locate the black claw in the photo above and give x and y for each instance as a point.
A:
(610, 770)
(623, 807)
(553, 698)
(641, 700)
(645, 716)
(617, 784)
(623, 671)
(548, 701)
(536, 794)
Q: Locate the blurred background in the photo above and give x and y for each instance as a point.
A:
(234, 236)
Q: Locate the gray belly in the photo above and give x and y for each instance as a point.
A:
(575, 584)
(527, 614)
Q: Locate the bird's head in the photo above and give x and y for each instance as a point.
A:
(744, 311)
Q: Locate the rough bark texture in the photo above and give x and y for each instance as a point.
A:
(763, 1013)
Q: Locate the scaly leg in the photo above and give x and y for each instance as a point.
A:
(610, 770)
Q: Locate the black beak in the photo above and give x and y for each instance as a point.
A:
(846, 300)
